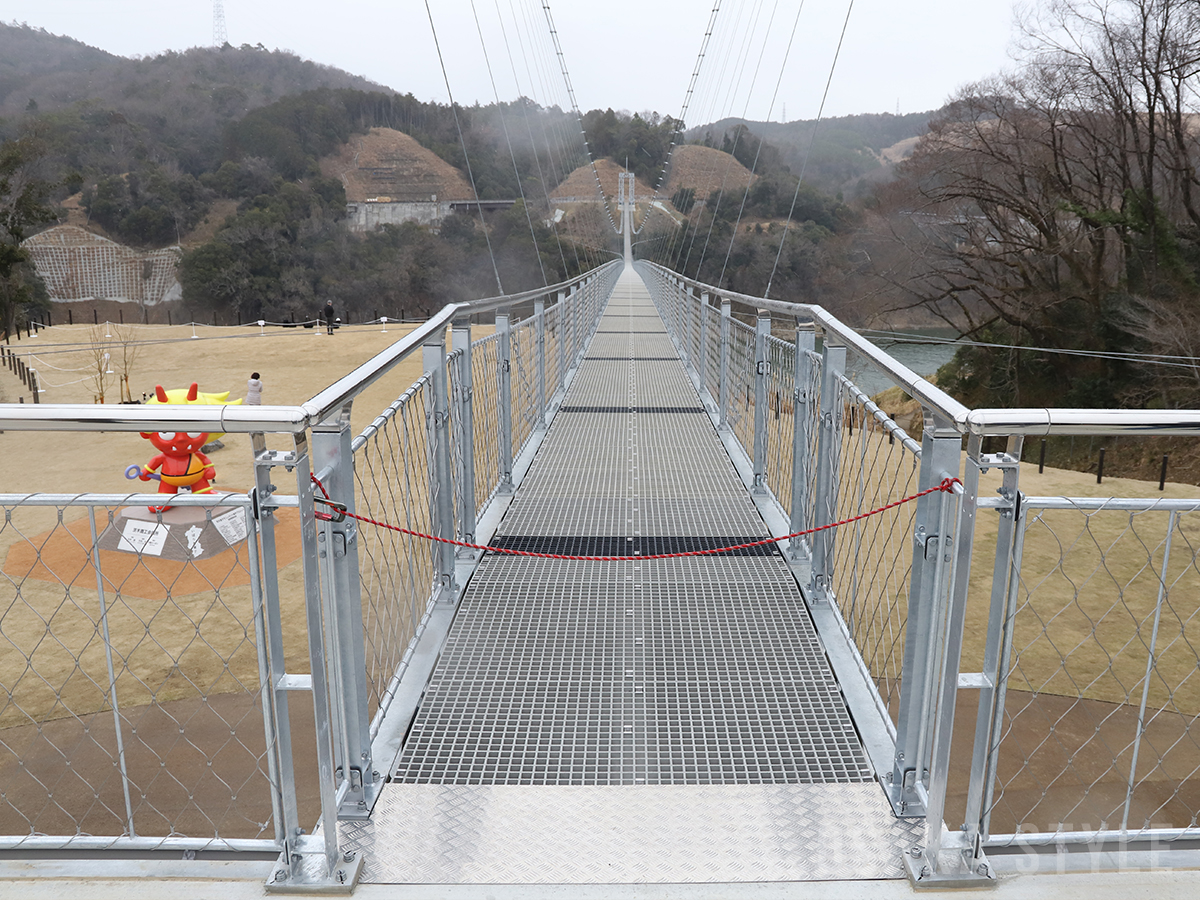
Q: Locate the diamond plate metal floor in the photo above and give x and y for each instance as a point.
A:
(581, 712)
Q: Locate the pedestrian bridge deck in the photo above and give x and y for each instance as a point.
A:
(665, 721)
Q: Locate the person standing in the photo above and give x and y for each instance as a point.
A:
(328, 314)
(254, 389)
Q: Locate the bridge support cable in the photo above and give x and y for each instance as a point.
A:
(463, 143)
(758, 150)
(562, 61)
(487, 60)
(808, 153)
(681, 122)
(537, 160)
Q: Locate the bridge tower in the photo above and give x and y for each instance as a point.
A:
(625, 204)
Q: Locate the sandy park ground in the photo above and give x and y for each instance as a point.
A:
(182, 633)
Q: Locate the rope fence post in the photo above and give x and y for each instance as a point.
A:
(762, 331)
(504, 398)
(829, 451)
(463, 416)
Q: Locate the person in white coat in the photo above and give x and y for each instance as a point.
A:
(254, 388)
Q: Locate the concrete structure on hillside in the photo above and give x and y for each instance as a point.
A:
(391, 179)
(77, 265)
(370, 214)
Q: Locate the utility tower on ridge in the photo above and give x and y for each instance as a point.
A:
(220, 36)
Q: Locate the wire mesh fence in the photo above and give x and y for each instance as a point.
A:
(1099, 713)
(554, 372)
(132, 660)
(878, 465)
(394, 485)
(485, 382)
(712, 352)
(781, 419)
(740, 410)
(523, 366)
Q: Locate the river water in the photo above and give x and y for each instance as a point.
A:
(923, 358)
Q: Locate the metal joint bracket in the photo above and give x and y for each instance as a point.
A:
(952, 868)
(938, 541)
(308, 874)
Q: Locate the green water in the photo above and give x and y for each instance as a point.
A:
(923, 358)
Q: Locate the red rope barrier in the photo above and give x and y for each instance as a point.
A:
(947, 486)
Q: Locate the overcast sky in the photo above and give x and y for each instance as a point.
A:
(627, 54)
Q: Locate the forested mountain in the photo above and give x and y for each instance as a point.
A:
(844, 149)
(106, 112)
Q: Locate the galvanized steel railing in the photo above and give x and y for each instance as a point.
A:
(1082, 655)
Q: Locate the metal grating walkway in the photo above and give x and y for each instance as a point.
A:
(660, 680)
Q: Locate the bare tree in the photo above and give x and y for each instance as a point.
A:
(101, 347)
(1047, 204)
(124, 354)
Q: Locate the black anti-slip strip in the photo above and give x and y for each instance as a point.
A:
(652, 545)
(629, 409)
(631, 359)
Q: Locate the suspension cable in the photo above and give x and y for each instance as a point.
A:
(508, 140)
(808, 153)
(562, 60)
(762, 140)
(687, 99)
(462, 141)
(537, 160)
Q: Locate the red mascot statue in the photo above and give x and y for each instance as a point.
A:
(179, 462)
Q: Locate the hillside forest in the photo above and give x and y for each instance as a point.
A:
(1052, 206)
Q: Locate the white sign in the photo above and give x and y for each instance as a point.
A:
(143, 537)
(193, 539)
(232, 526)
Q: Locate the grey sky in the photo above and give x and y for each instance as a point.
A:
(627, 54)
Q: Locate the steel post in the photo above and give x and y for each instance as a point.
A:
(952, 857)
(702, 354)
(941, 449)
(688, 357)
(576, 336)
(761, 366)
(288, 827)
(314, 614)
(463, 417)
(829, 451)
(341, 592)
(999, 628)
(539, 324)
(562, 339)
(504, 395)
(803, 404)
(441, 499)
(723, 381)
